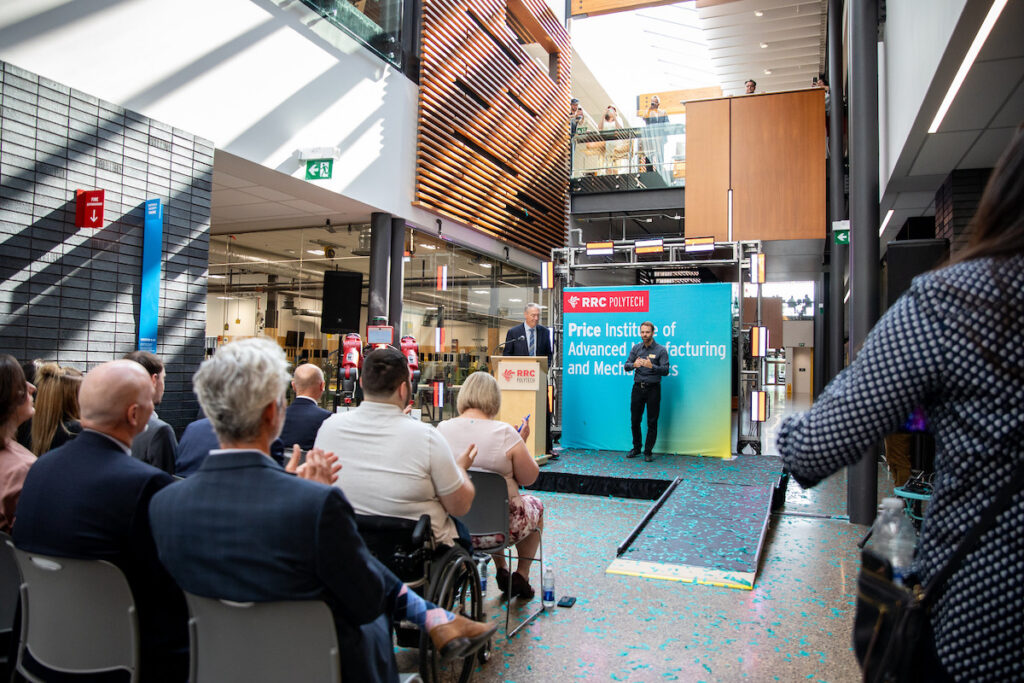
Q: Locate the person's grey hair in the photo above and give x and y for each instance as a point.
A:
(480, 391)
(531, 305)
(234, 386)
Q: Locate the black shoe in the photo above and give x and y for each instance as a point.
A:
(633, 453)
(521, 588)
(648, 457)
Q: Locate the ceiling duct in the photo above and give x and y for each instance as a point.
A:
(363, 247)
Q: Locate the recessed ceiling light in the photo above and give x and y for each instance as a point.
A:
(516, 301)
(289, 251)
(428, 246)
(481, 291)
(315, 252)
(767, 72)
(216, 277)
(764, 45)
(758, 13)
(485, 265)
(226, 298)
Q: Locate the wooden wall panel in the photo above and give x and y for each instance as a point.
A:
(778, 166)
(492, 144)
(707, 165)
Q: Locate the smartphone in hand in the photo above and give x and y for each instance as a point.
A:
(523, 424)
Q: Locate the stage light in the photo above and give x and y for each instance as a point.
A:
(438, 339)
(600, 248)
(652, 246)
(759, 341)
(442, 278)
(888, 217)
(757, 268)
(758, 406)
(698, 244)
(547, 275)
(439, 394)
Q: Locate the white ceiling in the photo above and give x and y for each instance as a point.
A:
(976, 129)
(792, 33)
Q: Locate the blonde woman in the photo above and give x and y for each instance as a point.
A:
(56, 417)
(501, 449)
(616, 151)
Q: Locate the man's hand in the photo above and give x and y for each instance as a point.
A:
(642, 362)
(320, 466)
(293, 462)
(465, 458)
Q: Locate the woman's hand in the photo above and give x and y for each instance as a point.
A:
(525, 431)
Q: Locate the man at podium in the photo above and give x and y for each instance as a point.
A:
(531, 339)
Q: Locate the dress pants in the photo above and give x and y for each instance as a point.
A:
(645, 395)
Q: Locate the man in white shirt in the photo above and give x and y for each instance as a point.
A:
(393, 465)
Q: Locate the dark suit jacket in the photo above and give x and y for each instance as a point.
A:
(89, 499)
(243, 529)
(302, 420)
(522, 346)
(199, 439)
(156, 446)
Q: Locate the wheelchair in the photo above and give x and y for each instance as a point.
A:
(446, 576)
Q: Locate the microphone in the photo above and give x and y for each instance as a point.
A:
(510, 341)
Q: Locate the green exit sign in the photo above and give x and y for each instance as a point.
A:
(841, 236)
(319, 169)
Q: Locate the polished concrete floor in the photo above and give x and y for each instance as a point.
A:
(793, 625)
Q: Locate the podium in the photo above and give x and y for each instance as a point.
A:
(523, 382)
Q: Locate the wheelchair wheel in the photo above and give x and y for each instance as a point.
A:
(455, 586)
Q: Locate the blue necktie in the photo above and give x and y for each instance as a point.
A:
(533, 345)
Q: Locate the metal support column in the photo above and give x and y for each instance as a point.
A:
(862, 491)
(396, 276)
(380, 255)
(836, 192)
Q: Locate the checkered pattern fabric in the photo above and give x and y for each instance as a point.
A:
(954, 344)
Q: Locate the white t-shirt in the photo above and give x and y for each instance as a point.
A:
(392, 465)
(493, 438)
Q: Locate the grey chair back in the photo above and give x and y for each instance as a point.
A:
(262, 642)
(78, 616)
(489, 514)
(10, 584)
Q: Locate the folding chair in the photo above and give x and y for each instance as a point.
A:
(78, 616)
(10, 581)
(489, 517)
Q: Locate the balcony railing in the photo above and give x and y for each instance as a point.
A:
(375, 23)
(651, 157)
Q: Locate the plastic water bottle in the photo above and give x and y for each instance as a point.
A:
(481, 565)
(547, 587)
(893, 537)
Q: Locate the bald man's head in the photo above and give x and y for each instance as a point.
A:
(308, 380)
(116, 398)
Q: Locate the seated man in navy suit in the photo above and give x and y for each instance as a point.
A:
(304, 417)
(243, 529)
(197, 442)
(90, 499)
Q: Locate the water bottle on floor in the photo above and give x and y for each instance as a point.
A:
(481, 564)
(893, 537)
(547, 586)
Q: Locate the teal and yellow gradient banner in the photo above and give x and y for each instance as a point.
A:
(599, 327)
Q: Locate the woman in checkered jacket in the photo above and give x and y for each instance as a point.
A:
(954, 345)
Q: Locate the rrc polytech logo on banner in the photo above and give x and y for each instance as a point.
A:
(519, 376)
(636, 301)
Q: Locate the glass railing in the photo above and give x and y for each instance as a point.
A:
(375, 23)
(646, 158)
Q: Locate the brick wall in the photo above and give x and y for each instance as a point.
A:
(72, 295)
(956, 201)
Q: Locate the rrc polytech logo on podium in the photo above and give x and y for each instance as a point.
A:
(637, 301)
(519, 376)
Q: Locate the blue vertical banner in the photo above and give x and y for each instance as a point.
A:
(599, 327)
(152, 259)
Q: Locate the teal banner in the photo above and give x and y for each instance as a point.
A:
(152, 260)
(599, 327)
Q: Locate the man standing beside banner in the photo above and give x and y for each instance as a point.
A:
(648, 361)
(531, 339)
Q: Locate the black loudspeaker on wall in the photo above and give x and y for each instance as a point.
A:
(342, 301)
(906, 259)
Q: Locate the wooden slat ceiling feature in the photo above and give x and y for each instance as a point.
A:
(492, 145)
